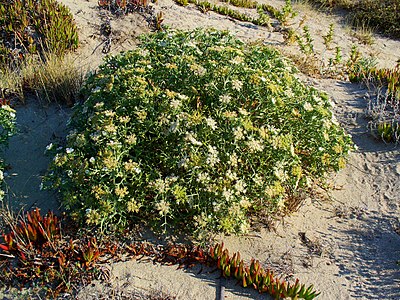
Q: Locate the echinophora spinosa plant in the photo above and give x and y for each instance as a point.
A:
(195, 128)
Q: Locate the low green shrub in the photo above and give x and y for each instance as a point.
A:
(7, 129)
(7, 121)
(29, 26)
(194, 129)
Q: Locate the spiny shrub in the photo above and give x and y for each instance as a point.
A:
(29, 26)
(196, 129)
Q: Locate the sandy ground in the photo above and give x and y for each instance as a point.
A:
(352, 236)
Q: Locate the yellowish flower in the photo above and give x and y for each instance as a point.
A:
(326, 159)
(275, 190)
(172, 66)
(163, 207)
(341, 162)
(92, 217)
(338, 149)
(131, 139)
(121, 192)
(133, 206)
(230, 114)
(110, 163)
(110, 128)
(237, 84)
(141, 115)
(225, 99)
(124, 119)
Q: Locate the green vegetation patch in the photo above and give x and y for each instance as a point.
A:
(7, 129)
(29, 26)
(195, 129)
(383, 15)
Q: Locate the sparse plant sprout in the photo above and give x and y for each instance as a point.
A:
(287, 12)
(389, 131)
(306, 42)
(159, 20)
(338, 55)
(309, 40)
(284, 15)
(290, 36)
(263, 19)
(328, 38)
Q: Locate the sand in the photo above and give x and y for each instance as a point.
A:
(345, 242)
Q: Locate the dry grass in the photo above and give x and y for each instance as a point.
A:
(53, 78)
(363, 34)
(50, 78)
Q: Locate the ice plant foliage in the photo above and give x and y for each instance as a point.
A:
(255, 276)
(197, 129)
(34, 26)
(39, 250)
(34, 251)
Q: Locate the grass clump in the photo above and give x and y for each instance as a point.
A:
(33, 27)
(195, 129)
(51, 78)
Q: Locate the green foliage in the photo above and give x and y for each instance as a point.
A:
(328, 38)
(305, 41)
(182, 2)
(383, 15)
(7, 129)
(257, 277)
(35, 26)
(7, 121)
(242, 3)
(389, 132)
(283, 15)
(195, 129)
